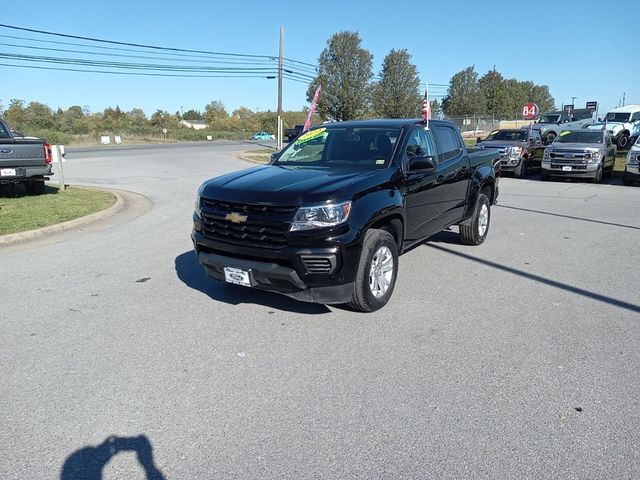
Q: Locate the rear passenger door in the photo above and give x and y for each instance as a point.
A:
(452, 173)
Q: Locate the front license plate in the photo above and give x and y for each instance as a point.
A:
(237, 276)
(566, 169)
(7, 172)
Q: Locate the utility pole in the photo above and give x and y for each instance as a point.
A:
(280, 59)
(624, 94)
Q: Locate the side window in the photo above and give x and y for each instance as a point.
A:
(635, 117)
(448, 141)
(418, 143)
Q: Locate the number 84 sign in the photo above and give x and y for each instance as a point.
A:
(530, 110)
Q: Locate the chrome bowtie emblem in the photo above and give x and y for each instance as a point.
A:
(234, 217)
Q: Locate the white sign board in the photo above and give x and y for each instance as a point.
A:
(105, 139)
(57, 153)
(117, 139)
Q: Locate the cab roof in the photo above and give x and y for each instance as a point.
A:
(384, 123)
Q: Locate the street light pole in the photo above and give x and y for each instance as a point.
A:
(280, 60)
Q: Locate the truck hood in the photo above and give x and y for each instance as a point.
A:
(560, 147)
(292, 185)
(613, 127)
(501, 144)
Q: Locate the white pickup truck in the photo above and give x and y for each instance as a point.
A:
(632, 168)
(623, 124)
(551, 124)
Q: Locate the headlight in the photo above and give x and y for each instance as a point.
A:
(321, 216)
(514, 152)
(197, 206)
(545, 155)
(595, 156)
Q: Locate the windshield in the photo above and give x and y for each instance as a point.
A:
(580, 136)
(366, 147)
(618, 117)
(549, 118)
(508, 135)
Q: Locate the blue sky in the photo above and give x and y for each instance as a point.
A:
(581, 48)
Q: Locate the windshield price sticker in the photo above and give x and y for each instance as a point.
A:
(313, 134)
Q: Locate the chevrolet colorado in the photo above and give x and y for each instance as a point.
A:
(326, 220)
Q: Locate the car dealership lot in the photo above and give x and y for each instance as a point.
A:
(516, 359)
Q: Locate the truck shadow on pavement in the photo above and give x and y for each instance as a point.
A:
(536, 278)
(191, 273)
(17, 191)
(88, 462)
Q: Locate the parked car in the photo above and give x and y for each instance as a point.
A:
(263, 136)
(326, 220)
(292, 133)
(579, 154)
(24, 160)
(517, 149)
(551, 123)
(623, 125)
(632, 168)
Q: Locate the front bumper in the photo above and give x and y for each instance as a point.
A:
(577, 171)
(284, 270)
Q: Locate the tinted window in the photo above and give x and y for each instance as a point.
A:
(448, 142)
(635, 117)
(3, 132)
(419, 143)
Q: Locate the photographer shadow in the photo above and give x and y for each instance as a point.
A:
(88, 463)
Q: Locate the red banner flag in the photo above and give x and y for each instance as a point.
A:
(426, 108)
(312, 108)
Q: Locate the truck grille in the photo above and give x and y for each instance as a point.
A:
(262, 226)
(570, 155)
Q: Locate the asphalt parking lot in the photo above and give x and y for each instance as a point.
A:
(516, 359)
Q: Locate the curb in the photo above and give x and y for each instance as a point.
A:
(13, 238)
(242, 156)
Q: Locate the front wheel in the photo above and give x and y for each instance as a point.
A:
(550, 137)
(377, 272)
(598, 177)
(522, 170)
(475, 232)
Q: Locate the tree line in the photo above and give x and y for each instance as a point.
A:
(350, 91)
(61, 126)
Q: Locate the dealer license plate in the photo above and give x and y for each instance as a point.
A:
(7, 172)
(237, 276)
(566, 169)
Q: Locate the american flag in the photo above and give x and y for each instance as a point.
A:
(426, 108)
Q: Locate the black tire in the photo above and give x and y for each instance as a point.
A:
(472, 233)
(35, 187)
(550, 137)
(523, 171)
(623, 142)
(544, 177)
(599, 173)
(363, 298)
(627, 180)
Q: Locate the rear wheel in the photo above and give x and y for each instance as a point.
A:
(522, 169)
(377, 272)
(623, 141)
(475, 232)
(35, 187)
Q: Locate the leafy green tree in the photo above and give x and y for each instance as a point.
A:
(216, 115)
(464, 96)
(15, 114)
(344, 71)
(38, 116)
(193, 115)
(494, 89)
(397, 93)
(137, 117)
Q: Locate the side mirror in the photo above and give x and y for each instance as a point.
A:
(275, 156)
(422, 163)
(479, 139)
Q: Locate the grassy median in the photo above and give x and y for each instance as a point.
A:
(20, 212)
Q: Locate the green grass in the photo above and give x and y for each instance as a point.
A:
(20, 212)
(262, 156)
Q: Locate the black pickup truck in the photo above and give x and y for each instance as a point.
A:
(326, 220)
(292, 133)
(24, 160)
